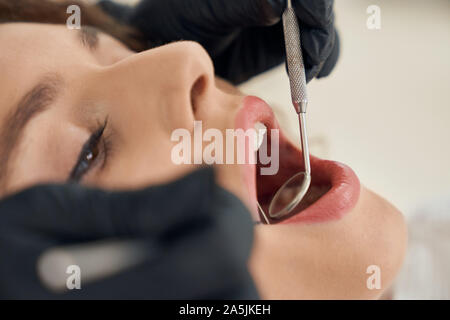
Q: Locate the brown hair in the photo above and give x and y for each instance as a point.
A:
(54, 12)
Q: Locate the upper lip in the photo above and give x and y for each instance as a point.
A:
(334, 188)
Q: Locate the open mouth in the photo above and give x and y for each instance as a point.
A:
(334, 188)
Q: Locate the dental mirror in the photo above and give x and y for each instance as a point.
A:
(293, 190)
(291, 193)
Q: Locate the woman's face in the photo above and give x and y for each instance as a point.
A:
(79, 105)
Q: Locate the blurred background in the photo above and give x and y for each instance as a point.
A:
(385, 111)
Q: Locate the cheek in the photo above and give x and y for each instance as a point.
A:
(227, 87)
(138, 161)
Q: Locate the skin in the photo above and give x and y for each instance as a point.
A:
(145, 97)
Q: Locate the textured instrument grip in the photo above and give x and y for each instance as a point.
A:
(294, 57)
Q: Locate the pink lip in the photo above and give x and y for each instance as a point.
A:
(335, 188)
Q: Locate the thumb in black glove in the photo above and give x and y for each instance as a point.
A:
(243, 37)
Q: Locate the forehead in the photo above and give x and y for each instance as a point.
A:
(30, 50)
(26, 43)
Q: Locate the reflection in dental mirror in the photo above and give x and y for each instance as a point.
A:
(289, 195)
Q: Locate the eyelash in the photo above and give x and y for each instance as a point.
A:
(93, 150)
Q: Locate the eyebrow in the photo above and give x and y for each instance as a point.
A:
(88, 37)
(34, 102)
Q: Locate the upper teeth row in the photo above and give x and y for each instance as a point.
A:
(261, 131)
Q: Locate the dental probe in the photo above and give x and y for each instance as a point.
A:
(297, 76)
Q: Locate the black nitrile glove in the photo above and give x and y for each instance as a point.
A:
(199, 238)
(243, 37)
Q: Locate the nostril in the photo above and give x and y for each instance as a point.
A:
(197, 91)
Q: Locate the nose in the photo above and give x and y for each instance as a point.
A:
(147, 96)
(168, 83)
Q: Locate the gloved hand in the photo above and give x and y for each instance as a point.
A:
(244, 37)
(199, 238)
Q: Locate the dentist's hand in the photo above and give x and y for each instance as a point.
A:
(198, 238)
(244, 37)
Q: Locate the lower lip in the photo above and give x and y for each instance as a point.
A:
(344, 190)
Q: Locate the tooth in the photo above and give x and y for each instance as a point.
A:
(261, 131)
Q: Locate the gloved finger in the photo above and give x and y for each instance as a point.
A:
(317, 43)
(331, 62)
(320, 55)
(245, 13)
(314, 13)
(204, 19)
(312, 72)
(70, 213)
